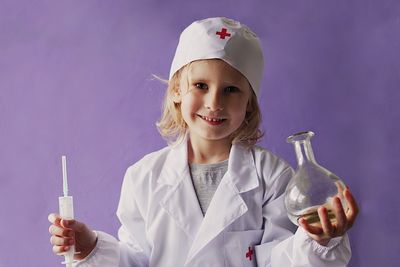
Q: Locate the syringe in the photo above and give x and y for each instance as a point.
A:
(66, 206)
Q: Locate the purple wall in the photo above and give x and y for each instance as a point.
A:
(75, 78)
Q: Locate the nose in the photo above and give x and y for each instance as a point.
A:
(213, 101)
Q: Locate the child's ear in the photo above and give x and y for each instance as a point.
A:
(176, 97)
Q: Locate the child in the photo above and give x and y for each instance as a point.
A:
(211, 198)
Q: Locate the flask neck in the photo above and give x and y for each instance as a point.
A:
(304, 152)
(302, 147)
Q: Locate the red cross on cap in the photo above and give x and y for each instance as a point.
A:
(223, 33)
(249, 253)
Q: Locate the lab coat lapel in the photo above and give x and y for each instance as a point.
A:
(227, 204)
(180, 202)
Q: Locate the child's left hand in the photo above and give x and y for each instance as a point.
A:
(328, 230)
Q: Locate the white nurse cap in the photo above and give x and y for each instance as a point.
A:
(224, 39)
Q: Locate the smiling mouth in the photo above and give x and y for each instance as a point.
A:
(213, 121)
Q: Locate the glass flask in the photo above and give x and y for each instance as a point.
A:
(312, 185)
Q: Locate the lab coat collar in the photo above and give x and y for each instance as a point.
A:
(241, 167)
(176, 164)
(182, 205)
(240, 177)
(180, 201)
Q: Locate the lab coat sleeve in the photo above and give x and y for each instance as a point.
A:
(111, 252)
(280, 247)
(129, 250)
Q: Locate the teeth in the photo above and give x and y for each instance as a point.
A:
(211, 119)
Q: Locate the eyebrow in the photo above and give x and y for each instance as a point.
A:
(206, 80)
(193, 76)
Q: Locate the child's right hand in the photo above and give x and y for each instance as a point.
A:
(65, 233)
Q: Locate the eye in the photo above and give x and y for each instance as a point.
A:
(231, 89)
(201, 86)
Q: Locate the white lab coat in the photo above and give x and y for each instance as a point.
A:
(245, 225)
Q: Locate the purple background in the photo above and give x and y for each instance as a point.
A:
(75, 79)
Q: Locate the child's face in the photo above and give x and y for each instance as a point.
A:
(214, 99)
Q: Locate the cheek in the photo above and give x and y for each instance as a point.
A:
(190, 101)
(241, 116)
(239, 112)
(239, 106)
(187, 106)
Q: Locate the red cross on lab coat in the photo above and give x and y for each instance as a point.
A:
(249, 253)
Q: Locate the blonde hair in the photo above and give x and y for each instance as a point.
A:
(173, 128)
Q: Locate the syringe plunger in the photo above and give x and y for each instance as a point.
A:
(65, 176)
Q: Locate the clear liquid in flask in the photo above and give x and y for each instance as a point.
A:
(311, 216)
(312, 185)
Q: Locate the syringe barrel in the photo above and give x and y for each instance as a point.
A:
(66, 206)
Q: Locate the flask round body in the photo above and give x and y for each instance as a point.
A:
(312, 185)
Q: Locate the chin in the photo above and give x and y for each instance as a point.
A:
(216, 137)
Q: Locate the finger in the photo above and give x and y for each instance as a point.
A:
(325, 222)
(61, 241)
(67, 223)
(315, 230)
(340, 186)
(60, 250)
(54, 218)
(353, 209)
(341, 219)
(59, 231)
(73, 224)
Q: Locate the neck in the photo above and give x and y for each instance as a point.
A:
(208, 151)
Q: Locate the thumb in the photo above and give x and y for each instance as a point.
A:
(72, 224)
